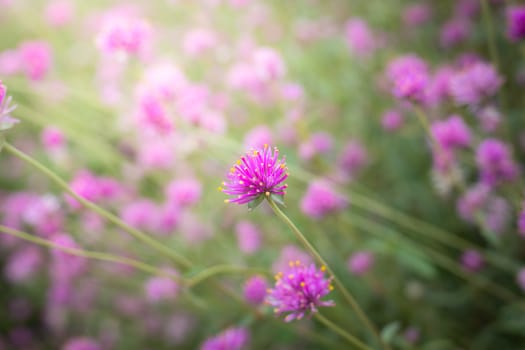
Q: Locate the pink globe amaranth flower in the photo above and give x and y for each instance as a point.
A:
(45, 215)
(299, 291)
(10, 63)
(292, 92)
(6, 121)
(318, 143)
(474, 84)
(516, 22)
(123, 34)
(268, 64)
(3, 92)
(409, 78)
(417, 14)
(321, 199)
(520, 278)
(159, 289)
(230, 339)
(23, 264)
(258, 137)
(85, 185)
(495, 163)
(392, 120)
(198, 41)
(258, 174)
(248, 237)
(412, 335)
(52, 138)
(451, 133)
(153, 115)
(454, 32)
(489, 118)
(473, 201)
(290, 253)
(142, 214)
(59, 13)
(164, 80)
(353, 158)
(184, 192)
(35, 58)
(439, 89)
(65, 266)
(472, 260)
(359, 37)
(81, 343)
(361, 262)
(156, 154)
(255, 290)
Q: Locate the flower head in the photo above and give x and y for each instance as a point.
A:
(231, 339)
(81, 343)
(495, 162)
(6, 121)
(258, 174)
(451, 133)
(299, 290)
(255, 290)
(516, 23)
(409, 78)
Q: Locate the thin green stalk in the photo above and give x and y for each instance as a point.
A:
(221, 269)
(347, 295)
(440, 259)
(144, 238)
(89, 254)
(350, 338)
(489, 27)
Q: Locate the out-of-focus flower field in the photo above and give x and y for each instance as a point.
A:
(249, 174)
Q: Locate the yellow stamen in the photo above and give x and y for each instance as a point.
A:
(267, 194)
(323, 268)
(226, 201)
(302, 284)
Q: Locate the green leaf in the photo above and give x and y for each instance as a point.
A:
(279, 199)
(389, 331)
(255, 203)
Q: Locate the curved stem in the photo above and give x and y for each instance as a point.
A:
(347, 295)
(351, 339)
(144, 238)
(88, 254)
(220, 269)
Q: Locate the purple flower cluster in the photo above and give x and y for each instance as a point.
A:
(230, 339)
(255, 290)
(6, 121)
(516, 22)
(321, 199)
(257, 174)
(495, 162)
(475, 83)
(451, 133)
(409, 78)
(299, 290)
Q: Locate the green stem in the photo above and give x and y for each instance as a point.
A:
(487, 18)
(144, 238)
(347, 295)
(89, 254)
(221, 269)
(351, 339)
